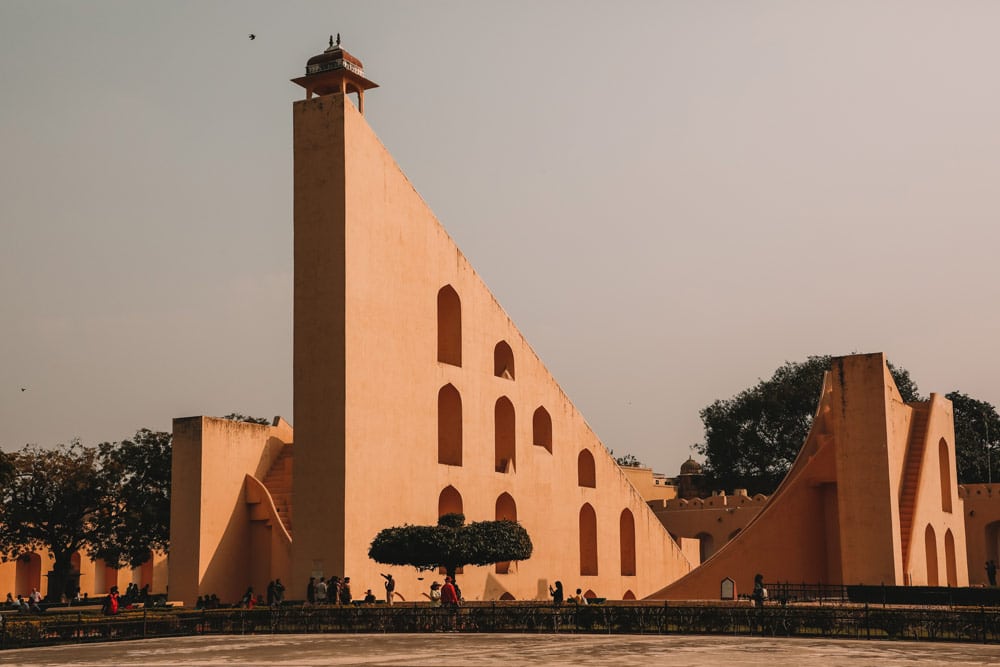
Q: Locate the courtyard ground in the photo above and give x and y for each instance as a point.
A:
(500, 649)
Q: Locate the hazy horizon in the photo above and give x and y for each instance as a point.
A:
(670, 199)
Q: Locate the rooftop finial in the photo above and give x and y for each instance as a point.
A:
(331, 39)
(338, 39)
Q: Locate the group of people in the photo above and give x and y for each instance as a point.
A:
(558, 595)
(448, 595)
(30, 605)
(332, 591)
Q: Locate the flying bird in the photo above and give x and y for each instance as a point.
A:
(252, 37)
(24, 389)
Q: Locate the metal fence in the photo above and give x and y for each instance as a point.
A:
(785, 592)
(844, 622)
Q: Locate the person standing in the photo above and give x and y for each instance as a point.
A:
(390, 588)
(449, 598)
(991, 572)
(345, 591)
(321, 591)
(557, 594)
(759, 592)
(311, 591)
(279, 592)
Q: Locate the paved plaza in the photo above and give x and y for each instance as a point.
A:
(509, 650)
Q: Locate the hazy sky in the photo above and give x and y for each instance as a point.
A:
(669, 198)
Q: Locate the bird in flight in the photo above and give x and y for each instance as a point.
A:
(24, 389)
(252, 37)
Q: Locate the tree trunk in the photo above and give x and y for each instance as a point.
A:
(59, 576)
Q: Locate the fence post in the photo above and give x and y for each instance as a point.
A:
(144, 622)
(982, 621)
(868, 627)
(79, 627)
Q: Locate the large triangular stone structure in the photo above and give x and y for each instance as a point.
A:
(416, 394)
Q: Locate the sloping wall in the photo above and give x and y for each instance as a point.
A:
(395, 393)
(836, 518)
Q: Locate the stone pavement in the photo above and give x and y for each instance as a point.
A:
(485, 649)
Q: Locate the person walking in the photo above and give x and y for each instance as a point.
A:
(390, 588)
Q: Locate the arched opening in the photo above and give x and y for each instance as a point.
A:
(706, 546)
(930, 551)
(950, 566)
(945, 463)
(104, 577)
(507, 596)
(541, 429)
(628, 595)
(626, 533)
(74, 562)
(145, 572)
(585, 470)
(503, 433)
(506, 510)
(449, 426)
(27, 574)
(450, 501)
(992, 540)
(503, 361)
(588, 540)
(449, 326)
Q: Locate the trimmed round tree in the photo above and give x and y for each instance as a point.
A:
(451, 544)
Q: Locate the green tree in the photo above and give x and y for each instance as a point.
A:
(135, 520)
(451, 544)
(51, 503)
(628, 460)
(752, 438)
(977, 439)
(240, 417)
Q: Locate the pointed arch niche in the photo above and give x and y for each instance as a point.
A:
(27, 573)
(506, 510)
(930, 551)
(504, 457)
(586, 472)
(588, 540)
(944, 461)
(449, 426)
(449, 326)
(503, 361)
(450, 501)
(950, 566)
(626, 533)
(541, 429)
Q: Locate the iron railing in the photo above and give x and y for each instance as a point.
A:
(832, 621)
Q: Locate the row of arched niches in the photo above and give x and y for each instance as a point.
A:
(450, 501)
(449, 312)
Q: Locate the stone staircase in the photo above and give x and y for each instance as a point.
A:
(915, 445)
(278, 482)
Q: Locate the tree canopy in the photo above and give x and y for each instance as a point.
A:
(240, 417)
(52, 504)
(977, 439)
(627, 460)
(110, 501)
(451, 544)
(136, 518)
(752, 438)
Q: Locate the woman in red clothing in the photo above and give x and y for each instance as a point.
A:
(449, 598)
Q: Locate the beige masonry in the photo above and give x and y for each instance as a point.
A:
(415, 394)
